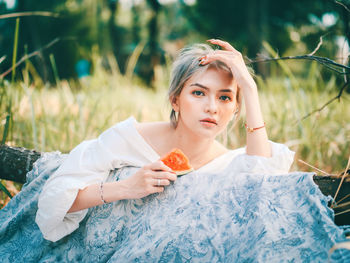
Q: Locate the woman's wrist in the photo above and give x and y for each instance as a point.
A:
(248, 86)
(114, 191)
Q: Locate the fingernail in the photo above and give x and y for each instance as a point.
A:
(202, 59)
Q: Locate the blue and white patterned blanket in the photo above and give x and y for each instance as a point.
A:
(224, 217)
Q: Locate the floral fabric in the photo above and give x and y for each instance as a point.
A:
(228, 216)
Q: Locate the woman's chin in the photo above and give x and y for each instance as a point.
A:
(203, 130)
(207, 132)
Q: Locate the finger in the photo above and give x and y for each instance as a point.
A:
(160, 182)
(157, 189)
(223, 44)
(159, 165)
(164, 175)
(224, 57)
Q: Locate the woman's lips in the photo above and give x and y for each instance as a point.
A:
(209, 122)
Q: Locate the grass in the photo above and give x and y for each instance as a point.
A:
(58, 118)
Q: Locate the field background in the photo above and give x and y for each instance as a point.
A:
(56, 111)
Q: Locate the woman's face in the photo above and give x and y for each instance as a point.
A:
(206, 103)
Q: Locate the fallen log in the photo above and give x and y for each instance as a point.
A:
(16, 162)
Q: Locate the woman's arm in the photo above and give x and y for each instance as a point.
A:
(87, 164)
(91, 195)
(144, 182)
(257, 141)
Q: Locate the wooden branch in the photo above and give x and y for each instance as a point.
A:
(2, 59)
(33, 13)
(317, 47)
(324, 105)
(345, 7)
(16, 162)
(332, 65)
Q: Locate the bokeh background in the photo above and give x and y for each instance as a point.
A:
(84, 65)
(160, 28)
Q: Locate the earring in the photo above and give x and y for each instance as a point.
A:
(174, 117)
(234, 115)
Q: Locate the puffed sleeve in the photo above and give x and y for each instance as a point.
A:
(88, 163)
(279, 162)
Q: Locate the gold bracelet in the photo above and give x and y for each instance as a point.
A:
(101, 193)
(253, 129)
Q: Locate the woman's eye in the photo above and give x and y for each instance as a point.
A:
(225, 98)
(198, 93)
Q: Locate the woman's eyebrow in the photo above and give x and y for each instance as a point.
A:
(204, 87)
(226, 90)
(199, 85)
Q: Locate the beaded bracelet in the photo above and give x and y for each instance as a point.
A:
(253, 129)
(101, 193)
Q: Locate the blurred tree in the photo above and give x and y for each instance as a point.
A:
(136, 25)
(247, 23)
(152, 43)
(117, 36)
(152, 54)
(73, 27)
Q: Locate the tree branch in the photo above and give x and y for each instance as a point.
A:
(24, 58)
(318, 47)
(322, 107)
(2, 59)
(332, 65)
(35, 13)
(340, 3)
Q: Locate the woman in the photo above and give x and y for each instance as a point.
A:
(205, 99)
(232, 208)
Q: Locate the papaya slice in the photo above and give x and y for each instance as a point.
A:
(178, 162)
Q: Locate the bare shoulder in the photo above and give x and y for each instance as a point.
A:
(150, 130)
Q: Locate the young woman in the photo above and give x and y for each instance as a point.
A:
(112, 199)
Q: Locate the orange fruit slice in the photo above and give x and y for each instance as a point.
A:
(178, 162)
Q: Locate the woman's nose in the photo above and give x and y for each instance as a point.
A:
(211, 106)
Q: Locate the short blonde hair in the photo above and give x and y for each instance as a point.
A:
(186, 65)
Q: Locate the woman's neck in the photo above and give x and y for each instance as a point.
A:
(163, 137)
(199, 150)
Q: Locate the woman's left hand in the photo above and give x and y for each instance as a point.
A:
(257, 141)
(234, 60)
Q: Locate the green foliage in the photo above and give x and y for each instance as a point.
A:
(58, 119)
(73, 26)
(83, 24)
(4, 189)
(247, 23)
(14, 55)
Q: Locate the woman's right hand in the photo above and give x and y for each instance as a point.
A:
(145, 181)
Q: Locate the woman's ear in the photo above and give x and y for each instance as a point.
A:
(174, 101)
